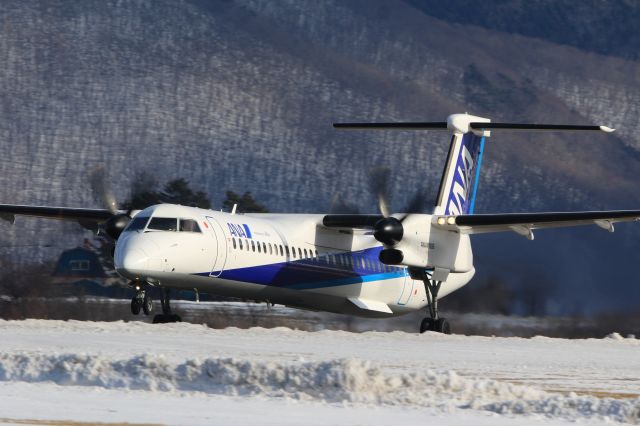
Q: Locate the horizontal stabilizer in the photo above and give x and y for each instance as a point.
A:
(437, 125)
(443, 125)
(539, 127)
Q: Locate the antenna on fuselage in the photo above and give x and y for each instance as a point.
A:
(233, 209)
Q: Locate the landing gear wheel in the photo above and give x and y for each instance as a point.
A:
(442, 326)
(135, 305)
(147, 304)
(426, 325)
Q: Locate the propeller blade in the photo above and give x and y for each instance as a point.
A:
(102, 190)
(379, 178)
(340, 206)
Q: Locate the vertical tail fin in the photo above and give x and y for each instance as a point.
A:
(460, 177)
(459, 183)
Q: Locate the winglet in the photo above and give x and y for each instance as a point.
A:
(607, 129)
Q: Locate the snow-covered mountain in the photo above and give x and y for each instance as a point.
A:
(241, 95)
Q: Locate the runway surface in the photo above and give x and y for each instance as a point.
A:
(115, 372)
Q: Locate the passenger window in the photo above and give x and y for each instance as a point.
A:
(234, 243)
(305, 253)
(270, 249)
(264, 248)
(138, 223)
(163, 224)
(281, 250)
(259, 249)
(253, 245)
(240, 243)
(362, 262)
(286, 248)
(293, 252)
(299, 253)
(189, 225)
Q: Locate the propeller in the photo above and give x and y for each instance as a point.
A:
(389, 230)
(103, 193)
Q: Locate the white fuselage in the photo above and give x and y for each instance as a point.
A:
(288, 259)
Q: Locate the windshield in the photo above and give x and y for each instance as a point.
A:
(137, 223)
(189, 225)
(163, 224)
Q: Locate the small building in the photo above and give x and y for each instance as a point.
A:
(79, 263)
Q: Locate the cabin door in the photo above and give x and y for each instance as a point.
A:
(220, 255)
(407, 290)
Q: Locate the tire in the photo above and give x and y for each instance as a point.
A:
(426, 325)
(442, 326)
(147, 305)
(135, 306)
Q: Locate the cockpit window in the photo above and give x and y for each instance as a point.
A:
(163, 224)
(138, 223)
(189, 225)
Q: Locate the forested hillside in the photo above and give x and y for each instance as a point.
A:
(240, 95)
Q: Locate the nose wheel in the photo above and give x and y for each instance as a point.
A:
(142, 301)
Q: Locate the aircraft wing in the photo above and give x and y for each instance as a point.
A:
(525, 223)
(89, 218)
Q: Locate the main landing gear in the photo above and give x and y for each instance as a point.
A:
(141, 301)
(166, 315)
(432, 287)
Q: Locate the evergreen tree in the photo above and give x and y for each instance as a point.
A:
(144, 193)
(246, 203)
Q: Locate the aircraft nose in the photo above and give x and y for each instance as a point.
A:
(134, 263)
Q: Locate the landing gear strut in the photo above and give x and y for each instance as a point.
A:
(166, 315)
(141, 301)
(433, 322)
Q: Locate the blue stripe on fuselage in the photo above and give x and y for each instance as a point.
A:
(317, 273)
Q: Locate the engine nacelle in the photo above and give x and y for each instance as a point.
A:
(427, 246)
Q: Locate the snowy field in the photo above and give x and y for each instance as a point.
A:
(184, 374)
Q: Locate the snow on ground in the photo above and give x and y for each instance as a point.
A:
(190, 374)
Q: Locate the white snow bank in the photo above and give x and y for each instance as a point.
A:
(346, 380)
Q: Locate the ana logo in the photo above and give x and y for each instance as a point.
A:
(457, 203)
(240, 231)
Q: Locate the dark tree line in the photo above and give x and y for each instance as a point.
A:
(145, 193)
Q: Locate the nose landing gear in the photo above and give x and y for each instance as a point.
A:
(141, 301)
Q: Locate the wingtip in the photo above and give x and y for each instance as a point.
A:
(607, 129)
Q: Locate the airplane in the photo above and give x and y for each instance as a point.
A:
(371, 265)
